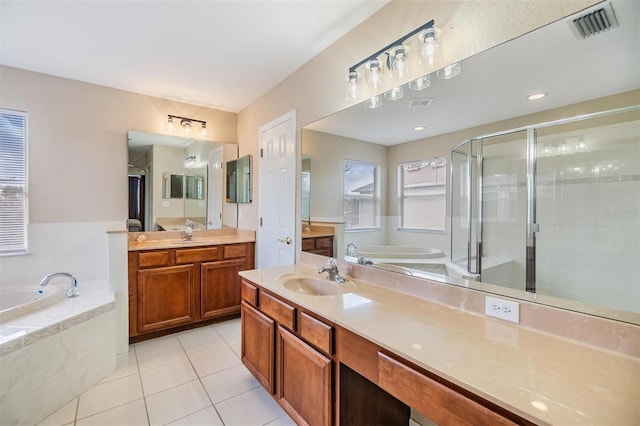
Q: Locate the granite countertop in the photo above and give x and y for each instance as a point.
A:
(541, 377)
(173, 239)
(317, 231)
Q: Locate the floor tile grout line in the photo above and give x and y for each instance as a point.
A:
(144, 398)
(202, 384)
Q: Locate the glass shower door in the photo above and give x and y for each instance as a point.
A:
(504, 206)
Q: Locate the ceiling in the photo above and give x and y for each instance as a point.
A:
(494, 84)
(220, 54)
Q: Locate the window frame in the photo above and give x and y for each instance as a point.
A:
(24, 249)
(402, 197)
(376, 196)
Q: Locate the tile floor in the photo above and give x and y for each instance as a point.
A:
(190, 378)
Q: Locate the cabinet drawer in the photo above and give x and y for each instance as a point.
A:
(317, 333)
(235, 251)
(196, 255)
(324, 242)
(307, 244)
(279, 311)
(440, 403)
(249, 293)
(153, 258)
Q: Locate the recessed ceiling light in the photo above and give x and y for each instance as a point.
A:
(418, 128)
(536, 96)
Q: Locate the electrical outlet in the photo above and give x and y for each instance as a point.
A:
(503, 309)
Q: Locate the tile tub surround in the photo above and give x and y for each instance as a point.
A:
(52, 355)
(539, 376)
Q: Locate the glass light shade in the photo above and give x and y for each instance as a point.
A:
(352, 85)
(186, 126)
(374, 74)
(449, 71)
(203, 130)
(170, 124)
(398, 61)
(394, 94)
(420, 83)
(429, 42)
(373, 102)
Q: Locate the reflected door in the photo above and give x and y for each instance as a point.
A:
(214, 197)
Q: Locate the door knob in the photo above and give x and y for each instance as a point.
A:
(287, 240)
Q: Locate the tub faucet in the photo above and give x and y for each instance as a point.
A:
(351, 250)
(332, 269)
(72, 290)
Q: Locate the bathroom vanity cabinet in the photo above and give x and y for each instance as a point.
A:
(174, 288)
(323, 374)
(318, 245)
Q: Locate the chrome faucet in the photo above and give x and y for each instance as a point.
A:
(351, 250)
(187, 233)
(332, 269)
(72, 290)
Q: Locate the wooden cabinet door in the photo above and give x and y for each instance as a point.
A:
(305, 383)
(166, 297)
(258, 345)
(220, 291)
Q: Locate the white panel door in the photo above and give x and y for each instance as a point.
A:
(277, 192)
(214, 195)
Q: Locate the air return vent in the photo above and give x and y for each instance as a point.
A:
(593, 22)
(420, 103)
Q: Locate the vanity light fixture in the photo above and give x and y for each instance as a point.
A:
(186, 124)
(190, 161)
(397, 59)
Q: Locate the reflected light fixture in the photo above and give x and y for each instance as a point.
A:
(394, 94)
(190, 161)
(186, 124)
(373, 102)
(397, 60)
(450, 71)
(420, 83)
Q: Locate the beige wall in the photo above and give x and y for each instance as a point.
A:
(78, 141)
(317, 88)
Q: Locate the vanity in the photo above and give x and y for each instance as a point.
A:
(318, 240)
(355, 354)
(176, 284)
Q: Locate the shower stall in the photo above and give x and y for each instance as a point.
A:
(553, 208)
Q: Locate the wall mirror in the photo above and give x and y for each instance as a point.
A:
(172, 179)
(572, 187)
(239, 180)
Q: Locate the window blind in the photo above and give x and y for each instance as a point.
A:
(13, 182)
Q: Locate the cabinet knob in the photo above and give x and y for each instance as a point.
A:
(287, 240)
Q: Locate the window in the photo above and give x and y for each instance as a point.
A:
(423, 194)
(361, 195)
(13, 182)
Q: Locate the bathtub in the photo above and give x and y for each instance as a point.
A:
(52, 348)
(20, 300)
(399, 252)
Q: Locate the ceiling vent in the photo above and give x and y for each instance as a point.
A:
(593, 22)
(420, 103)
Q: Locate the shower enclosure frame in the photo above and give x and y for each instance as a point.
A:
(531, 168)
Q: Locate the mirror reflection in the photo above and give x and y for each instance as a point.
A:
(475, 188)
(175, 181)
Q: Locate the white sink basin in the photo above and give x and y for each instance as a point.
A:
(316, 285)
